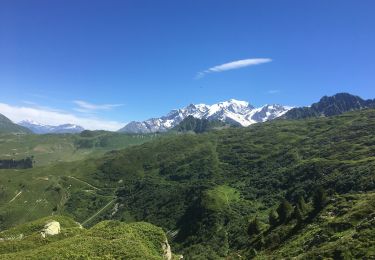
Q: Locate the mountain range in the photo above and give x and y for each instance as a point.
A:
(38, 128)
(233, 112)
(284, 189)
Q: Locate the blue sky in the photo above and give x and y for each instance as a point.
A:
(110, 62)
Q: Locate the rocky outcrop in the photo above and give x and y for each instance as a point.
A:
(50, 229)
(167, 250)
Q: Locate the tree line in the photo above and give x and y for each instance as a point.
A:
(17, 164)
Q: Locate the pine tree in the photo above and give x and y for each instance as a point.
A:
(260, 242)
(273, 218)
(302, 205)
(284, 210)
(254, 227)
(297, 214)
(319, 199)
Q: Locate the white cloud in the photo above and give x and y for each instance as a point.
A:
(233, 65)
(86, 107)
(53, 117)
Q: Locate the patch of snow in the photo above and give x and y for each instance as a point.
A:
(231, 111)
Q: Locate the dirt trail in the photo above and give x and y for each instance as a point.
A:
(92, 186)
(15, 197)
(97, 213)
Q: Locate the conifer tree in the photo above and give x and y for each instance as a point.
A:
(297, 214)
(319, 199)
(302, 205)
(284, 210)
(273, 218)
(254, 227)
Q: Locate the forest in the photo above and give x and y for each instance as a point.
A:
(17, 164)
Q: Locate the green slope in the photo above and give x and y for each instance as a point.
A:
(106, 240)
(7, 126)
(344, 229)
(175, 182)
(55, 182)
(50, 149)
(206, 189)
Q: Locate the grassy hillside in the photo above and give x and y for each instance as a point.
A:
(53, 148)
(106, 240)
(60, 166)
(206, 188)
(213, 193)
(344, 229)
(7, 126)
(29, 194)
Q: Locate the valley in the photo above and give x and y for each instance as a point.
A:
(54, 148)
(206, 190)
(197, 130)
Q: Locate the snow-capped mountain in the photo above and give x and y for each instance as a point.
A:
(38, 128)
(231, 111)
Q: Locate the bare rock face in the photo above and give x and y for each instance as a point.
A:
(167, 250)
(50, 229)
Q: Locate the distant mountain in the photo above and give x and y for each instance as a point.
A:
(38, 128)
(7, 126)
(197, 125)
(232, 111)
(330, 106)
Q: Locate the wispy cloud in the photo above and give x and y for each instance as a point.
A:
(273, 91)
(56, 117)
(233, 65)
(86, 107)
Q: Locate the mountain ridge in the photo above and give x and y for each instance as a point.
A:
(330, 106)
(7, 126)
(232, 111)
(38, 128)
(197, 125)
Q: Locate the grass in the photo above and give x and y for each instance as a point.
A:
(106, 240)
(221, 197)
(61, 168)
(343, 230)
(49, 149)
(206, 187)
